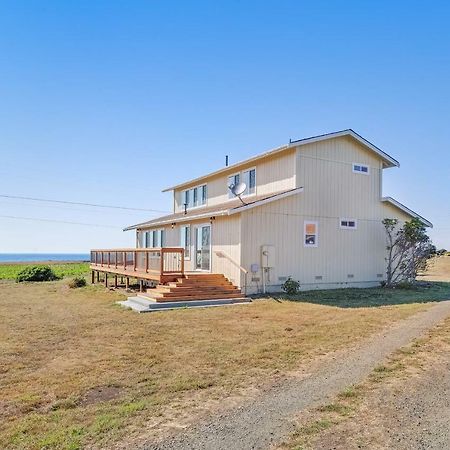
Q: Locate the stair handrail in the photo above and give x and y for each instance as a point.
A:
(222, 254)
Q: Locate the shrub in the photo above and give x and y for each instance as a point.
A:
(77, 282)
(36, 273)
(290, 286)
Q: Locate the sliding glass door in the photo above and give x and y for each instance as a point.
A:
(203, 247)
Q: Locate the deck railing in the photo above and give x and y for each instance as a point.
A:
(157, 261)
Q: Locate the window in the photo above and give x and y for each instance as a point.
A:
(348, 224)
(248, 177)
(204, 194)
(148, 239)
(195, 197)
(233, 181)
(154, 238)
(185, 240)
(360, 168)
(311, 237)
(250, 181)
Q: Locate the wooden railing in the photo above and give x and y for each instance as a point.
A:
(158, 261)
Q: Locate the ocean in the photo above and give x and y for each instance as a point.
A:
(27, 257)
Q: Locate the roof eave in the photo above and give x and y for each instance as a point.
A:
(388, 160)
(407, 210)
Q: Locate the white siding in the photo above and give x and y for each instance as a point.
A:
(272, 175)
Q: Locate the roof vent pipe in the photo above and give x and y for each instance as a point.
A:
(226, 160)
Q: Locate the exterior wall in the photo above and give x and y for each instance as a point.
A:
(225, 238)
(273, 174)
(343, 257)
(331, 191)
(325, 170)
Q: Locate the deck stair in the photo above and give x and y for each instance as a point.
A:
(194, 287)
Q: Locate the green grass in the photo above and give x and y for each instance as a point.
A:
(370, 297)
(10, 271)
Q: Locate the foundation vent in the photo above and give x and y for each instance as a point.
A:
(319, 277)
(350, 275)
(379, 275)
(282, 278)
(256, 279)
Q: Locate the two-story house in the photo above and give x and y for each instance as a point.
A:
(311, 210)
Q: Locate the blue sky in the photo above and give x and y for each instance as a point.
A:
(111, 101)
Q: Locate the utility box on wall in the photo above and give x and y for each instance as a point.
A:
(267, 256)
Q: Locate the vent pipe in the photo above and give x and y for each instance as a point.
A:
(226, 160)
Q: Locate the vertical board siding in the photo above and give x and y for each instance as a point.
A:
(226, 237)
(331, 191)
(273, 174)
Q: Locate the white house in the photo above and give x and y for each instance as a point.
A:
(311, 210)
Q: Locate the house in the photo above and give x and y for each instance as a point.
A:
(311, 210)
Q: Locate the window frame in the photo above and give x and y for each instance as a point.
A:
(194, 193)
(247, 192)
(316, 242)
(360, 165)
(187, 245)
(348, 220)
(233, 175)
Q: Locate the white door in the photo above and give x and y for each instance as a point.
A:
(202, 244)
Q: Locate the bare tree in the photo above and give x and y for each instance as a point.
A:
(408, 248)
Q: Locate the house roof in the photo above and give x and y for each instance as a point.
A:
(406, 210)
(228, 208)
(388, 161)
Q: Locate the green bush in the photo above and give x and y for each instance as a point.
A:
(77, 282)
(290, 286)
(36, 273)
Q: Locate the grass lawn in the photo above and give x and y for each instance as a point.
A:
(357, 298)
(78, 371)
(10, 271)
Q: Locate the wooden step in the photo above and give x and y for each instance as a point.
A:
(211, 276)
(193, 289)
(196, 297)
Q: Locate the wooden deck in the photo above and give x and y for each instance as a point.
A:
(164, 266)
(157, 264)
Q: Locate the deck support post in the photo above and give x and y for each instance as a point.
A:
(106, 279)
(127, 283)
(141, 285)
(121, 280)
(98, 276)
(93, 276)
(115, 281)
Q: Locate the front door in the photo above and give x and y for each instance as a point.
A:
(203, 247)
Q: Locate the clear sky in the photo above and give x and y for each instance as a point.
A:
(110, 102)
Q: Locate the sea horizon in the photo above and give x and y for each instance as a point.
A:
(38, 257)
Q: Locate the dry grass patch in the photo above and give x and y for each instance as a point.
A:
(76, 370)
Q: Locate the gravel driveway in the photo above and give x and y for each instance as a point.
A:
(266, 420)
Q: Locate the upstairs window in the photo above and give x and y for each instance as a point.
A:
(204, 194)
(348, 224)
(233, 181)
(310, 233)
(250, 181)
(196, 196)
(361, 168)
(248, 177)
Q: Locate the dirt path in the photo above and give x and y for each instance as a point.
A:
(266, 420)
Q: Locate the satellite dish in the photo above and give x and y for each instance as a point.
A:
(238, 189)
